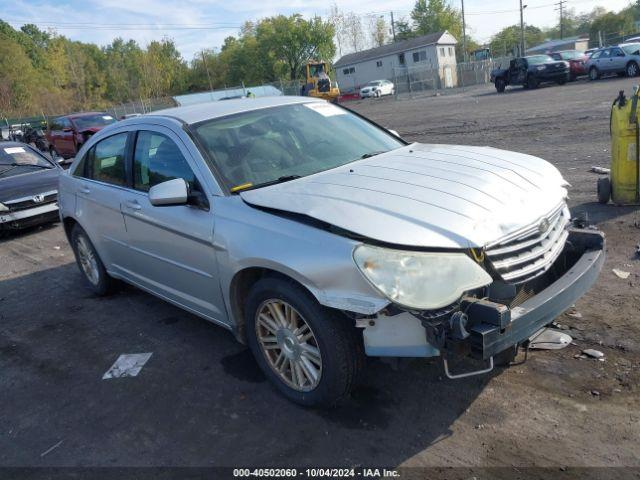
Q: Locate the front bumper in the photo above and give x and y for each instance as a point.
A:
(29, 217)
(587, 247)
(493, 331)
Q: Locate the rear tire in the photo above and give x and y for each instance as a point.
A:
(283, 353)
(604, 190)
(89, 263)
(532, 82)
(500, 85)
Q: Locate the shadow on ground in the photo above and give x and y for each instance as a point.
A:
(200, 400)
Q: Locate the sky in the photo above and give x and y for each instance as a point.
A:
(203, 24)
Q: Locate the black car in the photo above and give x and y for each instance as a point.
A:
(28, 187)
(530, 72)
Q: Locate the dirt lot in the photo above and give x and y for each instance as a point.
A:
(200, 400)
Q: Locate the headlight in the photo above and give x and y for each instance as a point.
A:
(3, 208)
(541, 67)
(420, 280)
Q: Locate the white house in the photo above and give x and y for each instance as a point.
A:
(435, 51)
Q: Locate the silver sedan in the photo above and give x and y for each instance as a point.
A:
(319, 238)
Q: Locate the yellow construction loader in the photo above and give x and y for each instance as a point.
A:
(318, 83)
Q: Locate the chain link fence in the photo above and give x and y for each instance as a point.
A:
(140, 107)
(425, 80)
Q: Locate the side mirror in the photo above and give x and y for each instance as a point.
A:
(171, 192)
(393, 132)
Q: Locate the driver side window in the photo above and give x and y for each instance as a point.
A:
(157, 159)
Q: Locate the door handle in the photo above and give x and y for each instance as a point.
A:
(85, 190)
(133, 205)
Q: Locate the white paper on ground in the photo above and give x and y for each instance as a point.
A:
(127, 365)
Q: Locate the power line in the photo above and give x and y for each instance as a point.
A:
(560, 5)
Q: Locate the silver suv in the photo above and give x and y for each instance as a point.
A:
(319, 238)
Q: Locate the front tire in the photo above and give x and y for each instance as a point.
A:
(311, 354)
(532, 82)
(632, 69)
(594, 74)
(89, 263)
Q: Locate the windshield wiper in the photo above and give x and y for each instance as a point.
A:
(372, 154)
(285, 178)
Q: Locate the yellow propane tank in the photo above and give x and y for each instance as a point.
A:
(623, 184)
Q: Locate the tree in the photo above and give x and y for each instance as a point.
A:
(353, 31)
(612, 26)
(379, 31)
(18, 80)
(293, 41)
(404, 31)
(431, 16)
(507, 40)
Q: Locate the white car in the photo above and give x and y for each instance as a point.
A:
(377, 88)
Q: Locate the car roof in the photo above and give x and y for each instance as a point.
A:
(205, 111)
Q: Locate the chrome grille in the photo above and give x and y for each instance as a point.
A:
(530, 252)
(31, 201)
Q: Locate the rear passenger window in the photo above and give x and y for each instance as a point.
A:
(106, 160)
(157, 159)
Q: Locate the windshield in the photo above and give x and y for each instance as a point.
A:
(16, 159)
(262, 146)
(571, 55)
(374, 83)
(93, 121)
(631, 49)
(539, 59)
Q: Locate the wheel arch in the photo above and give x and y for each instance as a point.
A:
(69, 223)
(241, 284)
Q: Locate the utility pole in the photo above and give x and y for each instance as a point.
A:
(560, 5)
(204, 61)
(393, 27)
(464, 36)
(522, 7)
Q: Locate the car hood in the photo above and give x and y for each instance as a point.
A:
(32, 183)
(439, 196)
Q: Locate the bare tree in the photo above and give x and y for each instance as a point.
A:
(378, 30)
(336, 18)
(354, 32)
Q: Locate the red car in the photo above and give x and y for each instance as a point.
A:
(67, 134)
(576, 59)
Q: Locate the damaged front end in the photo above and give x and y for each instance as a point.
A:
(492, 319)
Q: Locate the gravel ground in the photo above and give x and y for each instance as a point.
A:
(201, 401)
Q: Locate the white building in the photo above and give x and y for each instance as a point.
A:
(435, 51)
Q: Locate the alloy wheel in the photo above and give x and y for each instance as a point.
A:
(289, 345)
(88, 261)
(632, 70)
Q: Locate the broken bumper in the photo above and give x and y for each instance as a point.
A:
(29, 217)
(495, 327)
(587, 246)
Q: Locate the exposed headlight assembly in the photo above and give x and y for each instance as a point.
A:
(420, 280)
